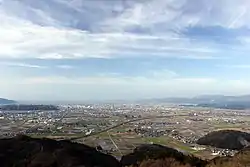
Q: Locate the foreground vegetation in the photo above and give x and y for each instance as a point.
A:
(32, 152)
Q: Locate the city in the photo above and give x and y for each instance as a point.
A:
(118, 128)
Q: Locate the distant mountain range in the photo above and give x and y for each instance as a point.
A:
(201, 99)
(6, 101)
(216, 101)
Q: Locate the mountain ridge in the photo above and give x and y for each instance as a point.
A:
(43, 152)
(214, 101)
(6, 101)
(201, 98)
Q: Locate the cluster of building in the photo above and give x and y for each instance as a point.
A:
(185, 124)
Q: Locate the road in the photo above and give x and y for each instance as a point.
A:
(121, 124)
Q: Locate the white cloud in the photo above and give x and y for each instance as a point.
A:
(18, 64)
(236, 66)
(21, 36)
(242, 66)
(77, 29)
(184, 13)
(26, 40)
(66, 67)
(162, 75)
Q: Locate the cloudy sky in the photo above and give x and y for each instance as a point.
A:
(123, 49)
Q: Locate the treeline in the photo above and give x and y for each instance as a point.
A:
(23, 107)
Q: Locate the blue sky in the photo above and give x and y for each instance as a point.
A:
(123, 49)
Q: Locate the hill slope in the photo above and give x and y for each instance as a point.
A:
(6, 101)
(25, 151)
(157, 155)
(25, 107)
(227, 139)
(241, 159)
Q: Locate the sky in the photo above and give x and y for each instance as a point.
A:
(123, 49)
